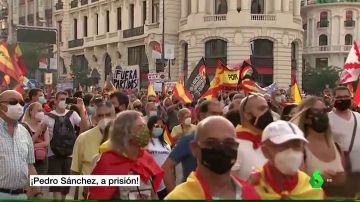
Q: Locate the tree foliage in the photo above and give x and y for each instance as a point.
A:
(80, 75)
(315, 79)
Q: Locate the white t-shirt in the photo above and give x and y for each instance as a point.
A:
(74, 119)
(342, 131)
(248, 159)
(160, 154)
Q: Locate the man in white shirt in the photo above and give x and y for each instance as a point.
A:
(345, 126)
(60, 165)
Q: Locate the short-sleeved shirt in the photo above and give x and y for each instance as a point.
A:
(74, 119)
(85, 149)
(16, 153)
(178, 130)
(181, 153)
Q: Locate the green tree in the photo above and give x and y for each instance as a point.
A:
(80, 75)
(315, 79)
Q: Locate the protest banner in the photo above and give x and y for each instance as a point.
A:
(127, 78)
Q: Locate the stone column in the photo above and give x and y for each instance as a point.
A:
(277, 6)
(184, 8)
(297, 7)
(232, 5)
(194, 6)
(245, 5)
(285, 5)
(202, 6)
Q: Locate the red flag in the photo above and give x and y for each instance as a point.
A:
(357, 95)
(351, 70)
(181, 93)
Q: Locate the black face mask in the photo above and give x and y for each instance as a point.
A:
(263, 121)
(219, 160)
(320, 122)
(342, 105)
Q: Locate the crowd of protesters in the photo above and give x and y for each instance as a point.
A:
(234, 147)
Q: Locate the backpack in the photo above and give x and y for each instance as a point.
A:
(64, 136)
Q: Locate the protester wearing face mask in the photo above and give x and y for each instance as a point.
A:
(215, 150)
(36, 125)
(158, 148)
(185, 126)
(345, 125)
(16, 149)
(321, 153)
(280, 178)
(128, 136)
(120, 101)
(87, 144)
(255, 116)
(35, 95)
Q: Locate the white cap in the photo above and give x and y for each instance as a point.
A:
(279, 132)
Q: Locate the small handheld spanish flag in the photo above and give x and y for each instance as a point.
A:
(167, 136)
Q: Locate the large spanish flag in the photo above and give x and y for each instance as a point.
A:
(6, 63)
(181, 93)
(216, 83)
(20, 59)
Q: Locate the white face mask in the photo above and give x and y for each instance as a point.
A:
(289, 161)
(187, 121)
(14, 112)
(39, 116)
(62, 104)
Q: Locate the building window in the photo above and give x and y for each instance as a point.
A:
(323, 40)
(215, 50)
(137, 55)
(107, 21)
(107, 66)
(155, 11)
(262, 58)
(75, 28)
(97, 24)
(257, 6)
(119, 18)
(349, 15)
(85, 26)
(59, 26)
(324, 22)
(131, 17)
(321, 62)
(144, 12)
(348, 40)
(221, 7)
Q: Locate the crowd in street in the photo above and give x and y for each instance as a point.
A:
(235, 146)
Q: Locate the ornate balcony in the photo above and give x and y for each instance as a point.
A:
(327, 49)
(349, 23)
(76, 43)
(263, 17)
(323, 23)
(215, 18)
(137, 31)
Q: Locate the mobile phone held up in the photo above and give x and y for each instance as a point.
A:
(71, 100)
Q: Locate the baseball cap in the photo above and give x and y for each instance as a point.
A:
(279, 132)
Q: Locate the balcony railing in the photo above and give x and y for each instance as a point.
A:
(59, 5)
(76, 43)
(263, 17)
(349, 23)
(137, 31)
(214, 18)
(323, 23)
(74, 4)
(322, 49)
(84, 2)
(313, 2)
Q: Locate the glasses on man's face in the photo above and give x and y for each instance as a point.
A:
(14, 102)
(107, 115)
(213, 143)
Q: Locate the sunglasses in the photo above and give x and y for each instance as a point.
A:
(15, 102)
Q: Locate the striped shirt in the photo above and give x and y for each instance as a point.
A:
(16, 152)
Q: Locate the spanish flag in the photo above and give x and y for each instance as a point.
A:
(6, 63)
(150, 90)
(19, 59)
(216, 83)
(295, 93)
(167, 136)
(356, 99)
(181, 93)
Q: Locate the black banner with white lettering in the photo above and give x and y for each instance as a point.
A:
(198, 82)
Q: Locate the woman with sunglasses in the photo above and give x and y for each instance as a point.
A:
(321, 153)
(34, 122)
(158, 148)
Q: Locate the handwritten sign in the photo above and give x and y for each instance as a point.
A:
(127, 78)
